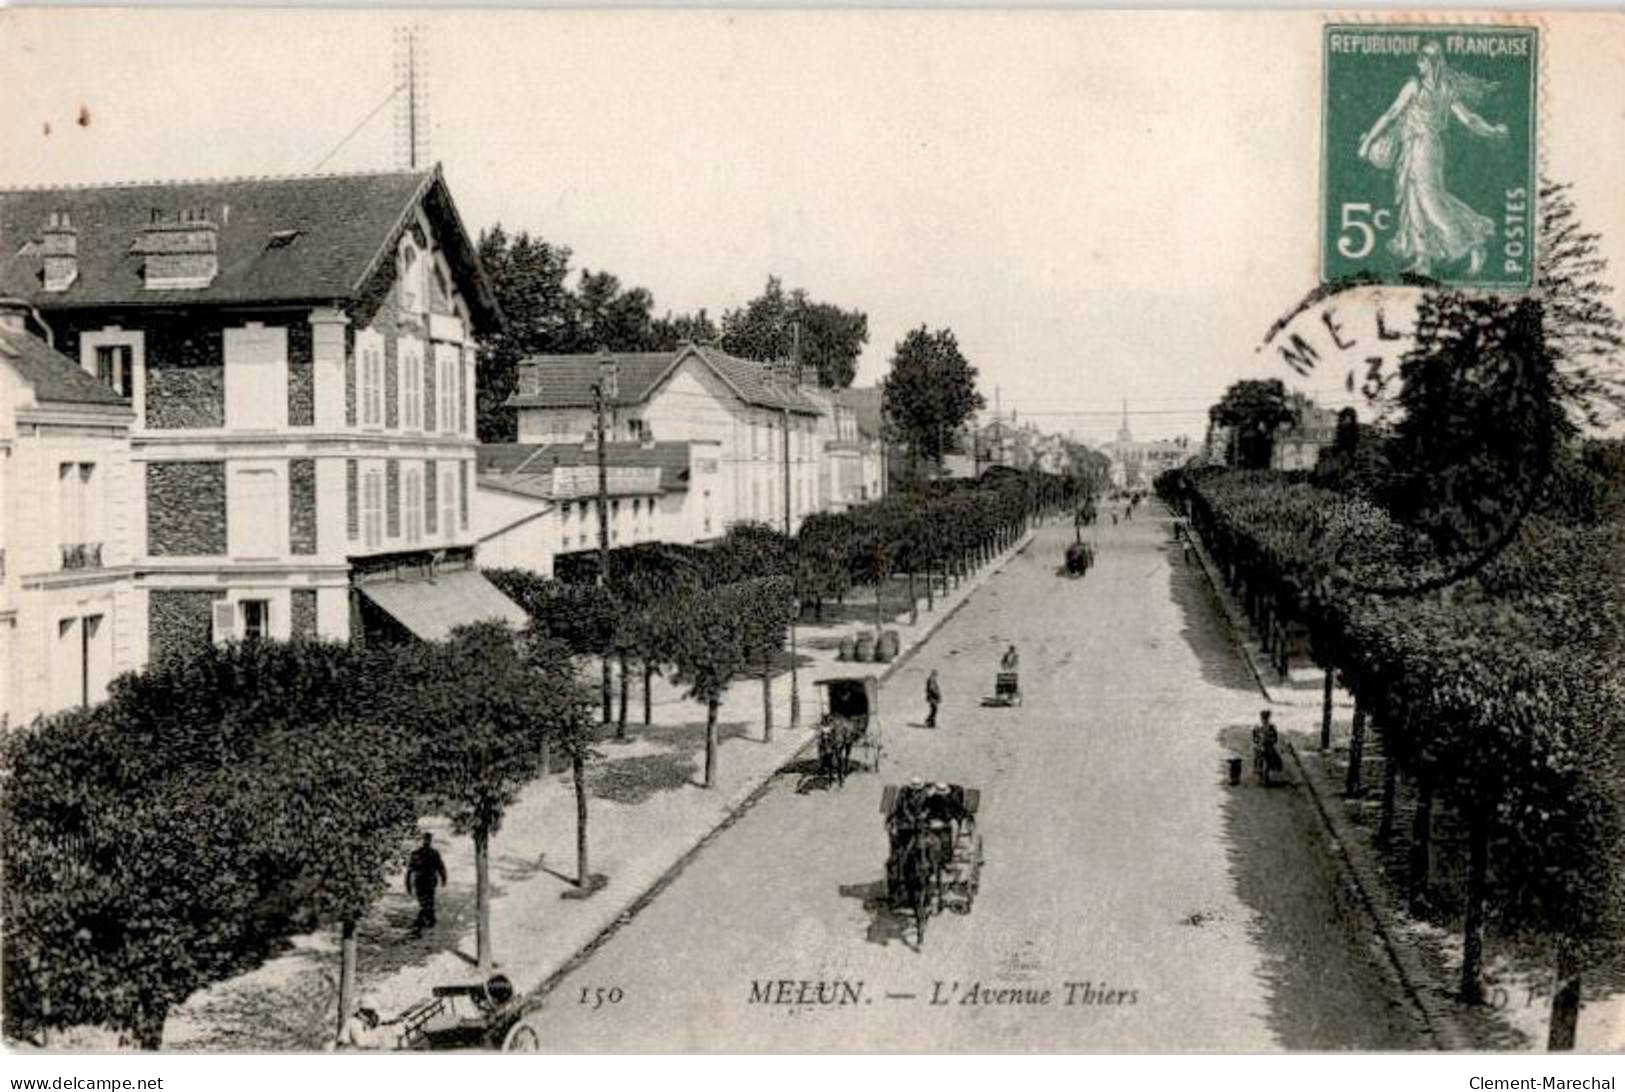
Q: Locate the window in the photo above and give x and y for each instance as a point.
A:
(372, 507)
(372, 386)
(412, 488)
(448, 502)
(79, 515)
(707, 511)
(448, 395)
(411, 389)
(82, 662)
(254, 619)
(257, 377)
(114, 366)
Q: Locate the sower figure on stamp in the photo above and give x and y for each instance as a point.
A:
(933, 697)
(425, 874)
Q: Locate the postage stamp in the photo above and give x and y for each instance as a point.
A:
(1429, 157)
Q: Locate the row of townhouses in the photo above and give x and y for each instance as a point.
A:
(246, 408)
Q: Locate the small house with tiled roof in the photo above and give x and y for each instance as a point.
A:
(538, 503)
(761, 424)
(299, 357)
(65, 578)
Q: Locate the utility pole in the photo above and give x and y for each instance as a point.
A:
(789, 532)
(606, 389)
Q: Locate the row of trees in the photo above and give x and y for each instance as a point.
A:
(1497, 694)
(547, 314)
(175, 834)
(214, 805)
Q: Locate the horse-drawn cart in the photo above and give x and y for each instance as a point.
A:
(850, 722)
(935, 860)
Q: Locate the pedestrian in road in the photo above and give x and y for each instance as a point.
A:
(933, 697)
(1011, 660)
(1266, 748)
(425, 874)
(364, 1031)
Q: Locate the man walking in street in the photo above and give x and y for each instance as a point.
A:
(933, 697)
(425, 873)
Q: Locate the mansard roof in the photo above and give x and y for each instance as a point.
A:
(303, 238)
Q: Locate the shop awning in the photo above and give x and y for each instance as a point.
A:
(432, 608)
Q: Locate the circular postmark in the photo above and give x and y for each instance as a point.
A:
(1450, 432)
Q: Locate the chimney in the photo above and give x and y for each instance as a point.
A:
(59, 245)
(180, 253)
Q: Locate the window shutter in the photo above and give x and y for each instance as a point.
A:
(225, 621)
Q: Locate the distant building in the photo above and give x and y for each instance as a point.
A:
(695, 394)
(1135, 464)
(1298, 446)
(538, 503)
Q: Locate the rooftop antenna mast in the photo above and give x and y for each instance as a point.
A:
(412, 98)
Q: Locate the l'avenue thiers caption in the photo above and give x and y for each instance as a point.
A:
(839, 992)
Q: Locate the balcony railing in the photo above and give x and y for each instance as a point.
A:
(82, 555)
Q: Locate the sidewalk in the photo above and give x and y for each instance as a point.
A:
(1426, 957)
(648, 814)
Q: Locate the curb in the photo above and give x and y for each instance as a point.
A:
(1419, 987)
(1237, 626)
(736, 810)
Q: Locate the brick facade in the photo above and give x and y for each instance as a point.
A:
(392, 498)
(429, 406)
(349, 376)
(186, 509)
(179, 622)
(352, 499)
(302, 620)
(431, 497)
(301, 376)
(302, 506)
(186, 376)
(392, 382)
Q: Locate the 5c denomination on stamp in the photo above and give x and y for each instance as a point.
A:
(1429, 156)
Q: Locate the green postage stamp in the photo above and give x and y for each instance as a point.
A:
(1428, 163)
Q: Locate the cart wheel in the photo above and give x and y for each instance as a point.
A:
(523, 1040)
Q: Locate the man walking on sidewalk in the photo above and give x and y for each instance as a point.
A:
(933, 697)
(425, 873)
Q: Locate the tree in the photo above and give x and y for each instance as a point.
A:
(482, 716)
(764, 624)
(710, 653)
(929, 392)
(670, 331)
(527, 276)
(1253, 409)
(607, 316)
(832, 339)
(570, 724)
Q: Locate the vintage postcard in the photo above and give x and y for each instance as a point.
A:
(820, 532)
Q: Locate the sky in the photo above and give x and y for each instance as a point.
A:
(1104, 207)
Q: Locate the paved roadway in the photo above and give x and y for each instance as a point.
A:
(1117, 856)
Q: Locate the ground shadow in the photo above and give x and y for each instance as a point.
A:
(635, 779)
(1324, 986)
(1204, 629)
(885, 924)
(689, 736)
